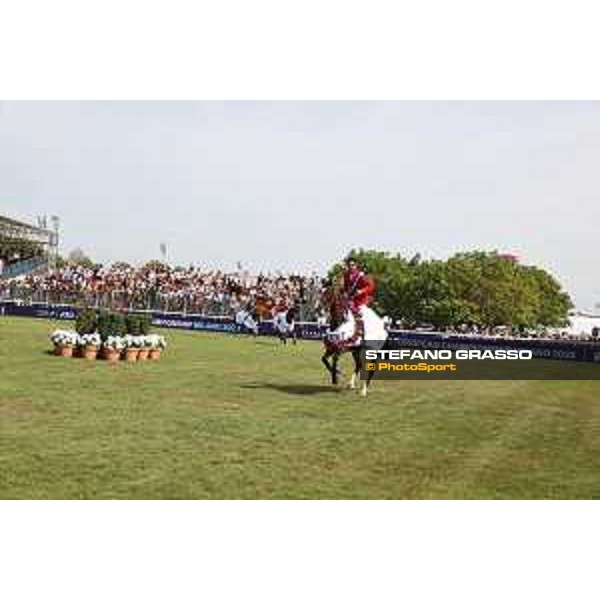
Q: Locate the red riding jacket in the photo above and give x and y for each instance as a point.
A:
(360, 289)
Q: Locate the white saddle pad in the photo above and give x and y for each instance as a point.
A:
(373, 323)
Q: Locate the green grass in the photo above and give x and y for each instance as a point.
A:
(232, 417)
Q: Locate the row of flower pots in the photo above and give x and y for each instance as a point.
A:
(129, 348)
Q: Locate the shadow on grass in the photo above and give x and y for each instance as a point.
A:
(294, 389)
(52, 353)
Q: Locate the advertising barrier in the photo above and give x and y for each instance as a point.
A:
(581, 351)
(555, 349)
(160, 319)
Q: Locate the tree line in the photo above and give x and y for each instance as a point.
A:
(485, 289)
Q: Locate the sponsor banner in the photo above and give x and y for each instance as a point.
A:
(168, 320)
(41, 311)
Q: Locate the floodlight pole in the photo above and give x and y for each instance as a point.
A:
(55, 238)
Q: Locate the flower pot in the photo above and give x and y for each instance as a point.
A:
(131, 354)
(155, 354)
(111, 354)
(90, 352)
(66, 351)
(143, 353)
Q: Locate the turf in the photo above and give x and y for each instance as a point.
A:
(233, 417)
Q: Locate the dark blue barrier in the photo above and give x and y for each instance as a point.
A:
(228, 325)
(40, 311)
(553, 349)
(170, 320)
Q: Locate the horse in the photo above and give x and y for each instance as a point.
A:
(248, 317)
(347, 333)
(285, 325)
(246, 323)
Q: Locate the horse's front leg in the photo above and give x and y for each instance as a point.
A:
(328, 365)
(331, 366)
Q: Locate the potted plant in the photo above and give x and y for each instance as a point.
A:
(144, 347)
(112, 348)
(64, 341)
(111, 324)
(90, 344)
(111, 327)
(133, 325)
(85, 324)
(132, 347)
(157, 344)
(145, 322)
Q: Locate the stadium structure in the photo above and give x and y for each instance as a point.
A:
(27, 248)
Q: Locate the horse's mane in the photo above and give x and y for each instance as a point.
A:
(336, 304)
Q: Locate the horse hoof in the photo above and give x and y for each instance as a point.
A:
(363, 392)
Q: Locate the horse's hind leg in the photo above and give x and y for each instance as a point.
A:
(354, 376)
(357, 365)
(352, 382)
(356, 372)
(366, 384)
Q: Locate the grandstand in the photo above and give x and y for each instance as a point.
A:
(26, 248)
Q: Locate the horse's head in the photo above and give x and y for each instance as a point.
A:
(337, 306)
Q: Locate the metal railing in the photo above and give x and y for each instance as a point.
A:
(137, 301)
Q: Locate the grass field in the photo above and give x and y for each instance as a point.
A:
(232, 417)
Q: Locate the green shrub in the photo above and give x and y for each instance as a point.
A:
(145, 324)
(132, 324)
(110, 324)
(87, 321)
(138, 324)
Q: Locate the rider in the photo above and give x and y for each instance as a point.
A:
(358, 286)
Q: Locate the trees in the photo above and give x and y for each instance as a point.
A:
(553, 303)
(480, 288)
(78, 257)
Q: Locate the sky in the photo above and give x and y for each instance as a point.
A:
(292, 186)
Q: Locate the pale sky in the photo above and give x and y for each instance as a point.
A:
(295, 185)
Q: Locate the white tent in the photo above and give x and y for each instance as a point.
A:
(582, 324)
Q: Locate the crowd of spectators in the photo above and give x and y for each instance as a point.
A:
(157, 286)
